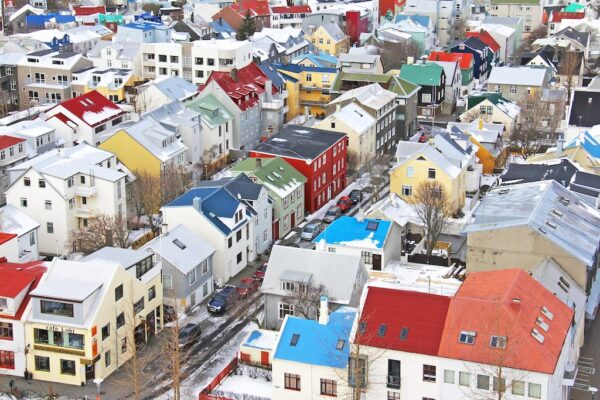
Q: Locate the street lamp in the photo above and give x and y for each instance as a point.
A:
(593, 391)
(98, 382)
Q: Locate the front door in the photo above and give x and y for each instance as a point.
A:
(276, 230)
(90, 372)
(264, 358)
(293, 218)
(376, 262)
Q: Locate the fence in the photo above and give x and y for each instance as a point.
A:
(205, 393)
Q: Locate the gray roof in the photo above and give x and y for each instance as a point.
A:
(175, 88)
(194, 252)
(528, 76)
(508, 21)
(334, 31)
(547, 208)
(240, 186)
(339, 273)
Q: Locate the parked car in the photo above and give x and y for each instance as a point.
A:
(188, 334)
(169, 313)
(247, 286)
(332, 214)
(345, 203)
(223, 300)
(356, 196)
(311, 230)
(260, 272)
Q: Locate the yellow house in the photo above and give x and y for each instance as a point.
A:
(578, 151)
(113, 83)
(90, 330)
(308, 88)
(420, 162)
(487, 138)
(330, 39)
(146, 146)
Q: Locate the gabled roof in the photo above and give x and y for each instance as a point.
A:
(15, 221)
(422, 74)
(465, 60)
(422, 20)
(583, 111)
(506, 106)
(349, 231)
(561, 172)
(276, 174)
(333, 31)
(506, 303)
(407, 151)
(7, 141)
(574, 7)
(524, 76)
(590, 143)
(473, 43)
(320, 60)
(88, 10)
(174, 88)
(547, 208)
(291, 9)
(240, 186)
(18, 277)
(92, 108)
(6, 237)
(407, 327)
(212, 112)
(354, 116)
(256, 7)
(486, 38)
(572, 33)
(309, 342)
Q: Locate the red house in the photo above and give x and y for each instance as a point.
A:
(317, 154)
(235, 14)
(357, 22)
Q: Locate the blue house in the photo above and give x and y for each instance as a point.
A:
(143, 32)
(38, 22)
(483, 56)
(375, 241)
(312, 355)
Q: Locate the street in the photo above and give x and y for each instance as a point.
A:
(591, 350)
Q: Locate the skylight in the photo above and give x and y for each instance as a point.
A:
(537, 335)
(403, 333)
(542, 324)
(546, 313)
(179, 244)
(340, 344)
(381, 330)
(550, 224)
(372, 225)
(504, 191)
(295, 338)
(467, 337)
(563, 200)
(557, 212)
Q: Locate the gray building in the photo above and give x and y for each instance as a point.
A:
(296, 275)
(187, 262)
(9, 86)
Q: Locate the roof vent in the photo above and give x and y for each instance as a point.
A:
(537, 335)
(589, 100)
(563, 200)
(516, 300)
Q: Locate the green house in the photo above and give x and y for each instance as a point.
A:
(286, 188)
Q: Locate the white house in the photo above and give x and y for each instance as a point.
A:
(38, 134)
(108, 54)
(162, 91)
(15, 222)
(218, 55)
(63, 188)
(84, 118)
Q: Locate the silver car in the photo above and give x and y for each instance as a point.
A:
(332, 214)
(311, 230)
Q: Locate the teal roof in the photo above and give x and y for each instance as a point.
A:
(211, 110)
(427, 74)
(275, 173)
(574, 7)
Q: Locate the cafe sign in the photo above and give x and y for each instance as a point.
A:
(60, 328)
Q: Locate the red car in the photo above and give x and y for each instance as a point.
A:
(423, 138)
(247, 286)
(260, 272)
(344, 203)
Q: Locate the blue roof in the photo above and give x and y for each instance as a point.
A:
(269, 70)
(299, 68)
(420, 19)
(351, 232)
(321, 60)
(288, 77)
(40, 20)
(588, 142)
(221, 26)
(141, 25)
(317, 344)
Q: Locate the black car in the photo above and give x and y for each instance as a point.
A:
(356, 196)
(189, 334)
(223, 300)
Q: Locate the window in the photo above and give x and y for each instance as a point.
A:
(23, 202)
(367, 257)
(464, 379)
(42, 363)
(467, 337)
(238, 236)
(239, 257)
(512, 89)
(381, 330)
(6, 331)
(26, 181)
(357, 371)
(107, 358)
(410, 172)
(56, 308)
(123, 345)
(285, 309)
(174, 59)
(67, 367)
(32, 238)
(292, 381)
(118, 292)
(393, 375)
(393, 395)
(429, 373)
(210, 62)
(106, 331)
(167, 281)
(534, 390)
(403, 333)
(120, 320)
(449, 376)
(328, 387)
(192, 277)
(406, 190)
(426, 98)
(138, 306)
(498, 342)
(204, 265)
(431, 173)
(199, 60)
(162, 58)
(7, 359)
(48, 205)
(229, 242)
(499, 385)
(483, 382)
(518, 388)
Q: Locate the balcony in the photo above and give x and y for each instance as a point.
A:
(321, 102)
(274, 104)
(58, 349)
(84, 213)
(45, 83)
(85, 191)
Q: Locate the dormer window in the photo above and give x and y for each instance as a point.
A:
(56, 308)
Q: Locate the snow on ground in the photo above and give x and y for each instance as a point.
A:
(488, 180)
(242, 384)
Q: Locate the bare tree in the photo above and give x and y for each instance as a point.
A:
(433, 208)
(394, 54)
(352, 161)
(101, 231)
(306, 299)
(528, 132)
(538, 33)
(174, 181)
(458, 30)
(569, 66)
(376, 168)
(145, 195)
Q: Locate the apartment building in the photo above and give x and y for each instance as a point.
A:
(530, 11)
(12, 152)
(112, 83)
(63, 188)
(143, 32)
(289, 16)
(9, 100)
(126, 55)
(45, 76)
(443, 13)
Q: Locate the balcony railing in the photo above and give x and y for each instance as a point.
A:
(85, 191)
(33, 82)
(274, 104)
(84, 212)
(393, 382)
(57, 349)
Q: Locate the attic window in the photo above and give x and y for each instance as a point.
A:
(340, 344)
(421, 158)
(550, 224)
(403, 333)
(546, 313)
(537, 335)
(295, 338)
(381, 330)
(467, 337)
(281, 169)
(372, 225)
(542, 324)
(557, 212)
(178, 243)
(498, 342)
(564, 201)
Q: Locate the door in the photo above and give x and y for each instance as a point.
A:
(376, 262)
(293, 219)
(276, 230)
(90, 372)
(264, 358)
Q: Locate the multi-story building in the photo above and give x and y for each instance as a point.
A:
(88, 332)
(330, 39)
(84, 118)
(317, 154)
(63, 188)
(288, 16)
(40, 137)
(126, 55)
(432, 80)
(518, 83)
(26, 230)
(12, 152)
(279, 45)
(234, 14)
(112, 83)
(530, 11)
(9, 98)
(45, 76)
(162, 91)
(208, 56)
(18, 280)
(443, 13)
(143, 32)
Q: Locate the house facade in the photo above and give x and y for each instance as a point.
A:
(12, 152)
(431, 78)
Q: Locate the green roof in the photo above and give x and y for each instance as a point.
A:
(574, 7)
(530, 2)
(210, 109)
(275, 173)
(493, 97)
(427, 74)
(106, 18)
(402, 87)
(395, 84)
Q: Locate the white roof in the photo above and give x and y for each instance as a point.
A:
(13, 220)
(107, 77)
(25, 8)
(449, 69)
(524, 76)
(355, 117)
(281, 35)
(223, 44)
(503, 30)
(27, 129)
(372, 96)
(184, 259)
(408, 150)
(395, 209)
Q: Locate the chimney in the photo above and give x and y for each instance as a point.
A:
(258, 162)
(164, 229)
(360, 215)
(323, 311)
(560, 143)
(197, 204)
(338, 106)
(234, 74)
(268, 91)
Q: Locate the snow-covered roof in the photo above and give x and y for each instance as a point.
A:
(394, 209)
(357, 118)
(23, 10)
(125, 50)
(407, 151)
(281, 35)
(261, 339)
(423, 278)
(173, 87)
(13, 220)
(524, 76)
(372, 96)
(503, 30)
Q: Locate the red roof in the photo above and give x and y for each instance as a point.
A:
(246, 90)
(558, 16)
(89, 10)
(257, 7)
(15, 278)
(464, 60)
(506, 303)
(422, 313)
(291, 10)
(92, 108)
(7, 141)
(486, 38)
(5, 237)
